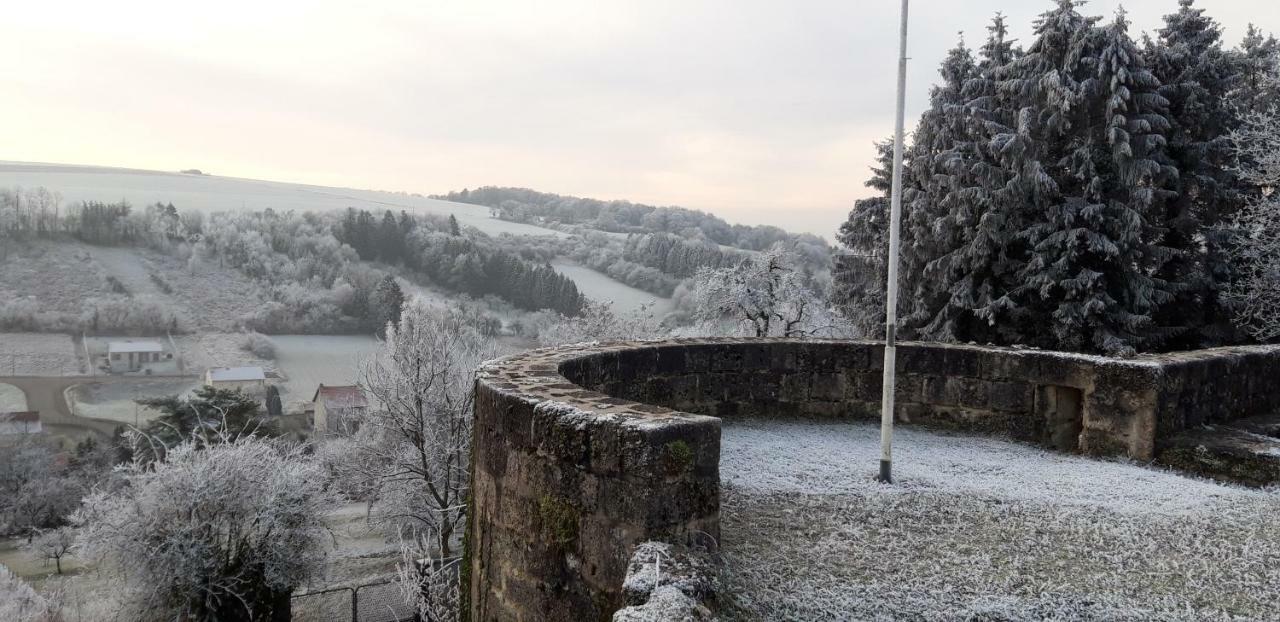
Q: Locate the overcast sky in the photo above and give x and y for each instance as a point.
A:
(761, 112)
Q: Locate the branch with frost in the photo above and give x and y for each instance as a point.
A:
(1255, 293)
(598, 322)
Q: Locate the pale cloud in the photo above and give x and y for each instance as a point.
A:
(761, 111)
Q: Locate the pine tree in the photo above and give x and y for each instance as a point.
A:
(938, 155)
(390, 240)
(981, 268)
(386, 303)
(858, 274)
(1257, 59)
(454, 230)
(1093, 126)
(1197, 77)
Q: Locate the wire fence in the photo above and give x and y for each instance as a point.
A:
(374, 602)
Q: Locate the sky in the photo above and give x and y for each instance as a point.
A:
(762, 112)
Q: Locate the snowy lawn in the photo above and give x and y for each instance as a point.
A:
(981, 529)
(39, 354)
(308, 360)
(116, 400)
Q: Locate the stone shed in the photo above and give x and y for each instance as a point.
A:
(580, 453)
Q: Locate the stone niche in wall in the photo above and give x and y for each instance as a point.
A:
(580, 453)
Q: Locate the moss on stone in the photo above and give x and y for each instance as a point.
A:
(678, 456)
(559, 520)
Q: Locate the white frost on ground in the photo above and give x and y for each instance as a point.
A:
(604, 288)
(38, 354)
(978, 528)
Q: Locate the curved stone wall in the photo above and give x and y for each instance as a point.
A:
(582, 452)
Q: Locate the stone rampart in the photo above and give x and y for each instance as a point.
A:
(583, 452)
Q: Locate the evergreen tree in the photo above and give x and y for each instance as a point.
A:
(390, 239)
(980, 270)
(1197, 77)
(1095, 126)
(939, 153)
(1257, 59)
(858, 274)
(454, 230)
(386, 303)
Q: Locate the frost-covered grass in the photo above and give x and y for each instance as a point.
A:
(38, 354)
(58, 276)
(603, 288)
(981, 529)
(308, 360)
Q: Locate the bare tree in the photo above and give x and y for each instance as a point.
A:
(20, 602)
(418, 425)
(54, 544)
(1256, 291)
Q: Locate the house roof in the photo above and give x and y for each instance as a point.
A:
(236, 374)
(29, 416)
(121, 347)
(340, 397)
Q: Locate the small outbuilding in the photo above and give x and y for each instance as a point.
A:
(133, 356)
(27, 422)
(337, 408)
(249, 379)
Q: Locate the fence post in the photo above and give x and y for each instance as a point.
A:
(355, 604)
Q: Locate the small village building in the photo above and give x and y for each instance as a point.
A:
(15, 423)
(133, 356)
(248, 379)
(336, 409)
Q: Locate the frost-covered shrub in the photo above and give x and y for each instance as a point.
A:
(259, 345)
(19, 602)
(226, 532)
(1256, 292)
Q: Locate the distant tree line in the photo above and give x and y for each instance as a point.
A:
(529, 206)
(470, 264)
(1078, 194)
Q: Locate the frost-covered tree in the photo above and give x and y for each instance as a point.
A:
(598, 322)
(418, 426)
(19, 602)
(223, 532)
(941, 154)
(206, 417)
(859, 271)
(765, 295)
(1258, 58)
(1092, 125)
(1256, 291)
(428, 580)
(1197, 77)
(386, 302)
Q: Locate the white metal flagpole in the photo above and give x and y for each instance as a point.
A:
(891, 297)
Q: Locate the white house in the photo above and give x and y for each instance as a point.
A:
(249, 379)
(335, 407)
(20, 423)
(132, 356)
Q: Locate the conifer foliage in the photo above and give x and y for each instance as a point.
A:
(1076, 194)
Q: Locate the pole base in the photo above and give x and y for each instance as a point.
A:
(886, 472)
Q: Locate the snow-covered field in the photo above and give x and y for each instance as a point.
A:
(59, 277)
(981, 529)
(308, 360)
(38, 354)
(603, 288)
(210, 193)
